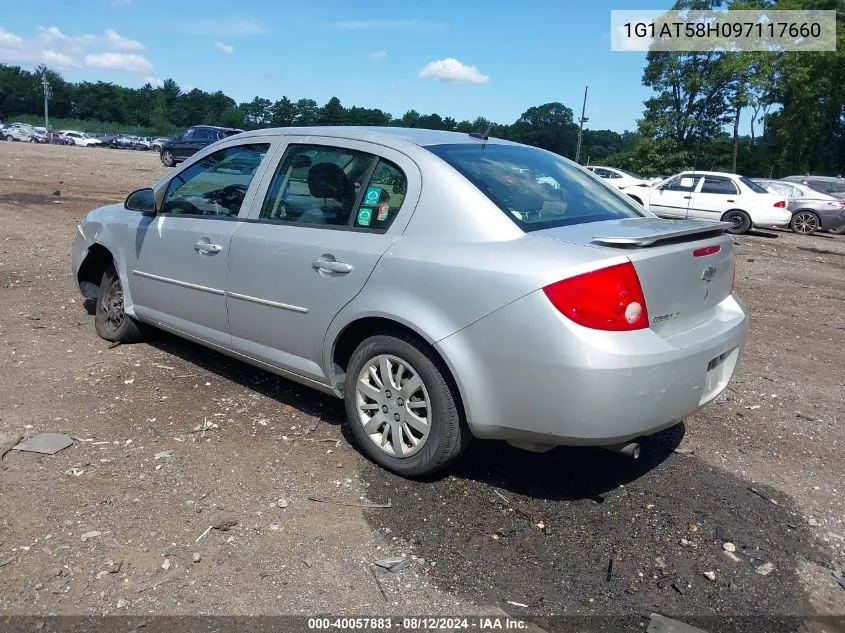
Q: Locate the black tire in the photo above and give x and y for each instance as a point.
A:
(10, 138)
(448, 434)
(167, 158)
(740, 221)
(805, 223)
(110, 321)
(839, 230)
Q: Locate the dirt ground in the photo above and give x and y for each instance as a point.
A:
(171, 439)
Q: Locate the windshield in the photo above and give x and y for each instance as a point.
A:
(537, 189)
(752, 185)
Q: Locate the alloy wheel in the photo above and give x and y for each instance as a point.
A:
(805, 223)
(393, 405)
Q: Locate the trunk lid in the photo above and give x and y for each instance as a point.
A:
(685, 267)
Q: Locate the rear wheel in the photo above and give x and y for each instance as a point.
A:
(167, 158)
(805, 223)
(402, 409)
(839, 230)
(740, 221)
(110, 320)
(9, 137)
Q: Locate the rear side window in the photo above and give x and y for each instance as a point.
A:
(318, 185)
(714, 184)
(535, 188)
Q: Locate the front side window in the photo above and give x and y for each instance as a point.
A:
(535, 188)
(680, 183)
(722, 186)
(216, 184)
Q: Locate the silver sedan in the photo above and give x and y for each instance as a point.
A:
(444, 285)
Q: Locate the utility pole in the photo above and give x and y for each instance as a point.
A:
(48, 94)
(581, 122)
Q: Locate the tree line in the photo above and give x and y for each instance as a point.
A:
(795, 101)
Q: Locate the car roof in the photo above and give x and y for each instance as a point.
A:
(821, 178)
(701, 172)
(384, 135)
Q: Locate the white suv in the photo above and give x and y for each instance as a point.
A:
(19, 132)
(714, 196)
(78, 138)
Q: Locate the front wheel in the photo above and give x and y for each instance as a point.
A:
(402, 408)
(740, 222)
(110, 320)
(167, 158)
(10, 138)
(805, 223)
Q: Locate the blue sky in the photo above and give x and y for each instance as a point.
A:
(459, 58)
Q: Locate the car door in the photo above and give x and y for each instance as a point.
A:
(177, 268)
(329, 212)
(189, 143)
(672, 198)
(715, 196)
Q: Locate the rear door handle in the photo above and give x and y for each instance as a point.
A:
(687, 197)
(207, 248)
(731, 200)
(331, 266)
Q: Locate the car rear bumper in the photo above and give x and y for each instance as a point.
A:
(771, 218)
(528, 374)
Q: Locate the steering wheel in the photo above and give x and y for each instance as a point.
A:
(180, 206)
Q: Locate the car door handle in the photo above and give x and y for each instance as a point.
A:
(687, 197)
(331, 266)
(731, 200)
(207, 248)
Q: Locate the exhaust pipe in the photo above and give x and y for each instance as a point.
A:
(631, 449)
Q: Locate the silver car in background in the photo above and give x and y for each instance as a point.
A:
(444, 285)
(811, 210)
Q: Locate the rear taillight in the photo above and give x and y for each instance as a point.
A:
(780, 204)
(605, 299)
(707, 250)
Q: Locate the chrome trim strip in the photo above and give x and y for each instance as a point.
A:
(176, 282)
(267, 302)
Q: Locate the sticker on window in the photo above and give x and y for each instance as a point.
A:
(687, 182)
(372, 196)
(383, 212)
(365, 215)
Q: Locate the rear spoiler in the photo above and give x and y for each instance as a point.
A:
(650, 238)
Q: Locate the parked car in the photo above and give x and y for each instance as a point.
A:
(38, 136)
(833, 186)
(191, 141)
(158, 142)
(18, 132)
(55, 138)
(811, 210)
(408, 272)
(714, 196)
(80, 138)
(619, 178)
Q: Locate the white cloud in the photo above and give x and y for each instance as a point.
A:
(9, 39)
(123, 43)
(130, 63)
(56, 49)
(376, 55)
(224, 48)
(223, 27)
(385, 25)
(155, 82)
(452, 71)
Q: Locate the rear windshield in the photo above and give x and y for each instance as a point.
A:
(537, 189)
(752, 185)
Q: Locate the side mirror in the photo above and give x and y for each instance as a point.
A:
(142, 200)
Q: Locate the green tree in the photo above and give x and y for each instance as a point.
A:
(333, 113)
